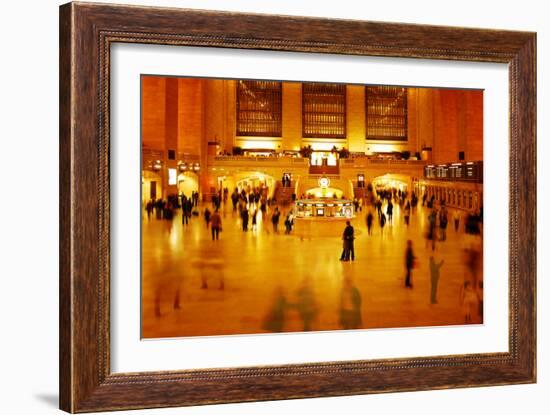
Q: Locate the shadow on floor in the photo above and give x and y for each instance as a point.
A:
(49, 399)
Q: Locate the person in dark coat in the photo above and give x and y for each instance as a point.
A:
(389, 211)
(186, 211)
(348, 248)
(244, 218)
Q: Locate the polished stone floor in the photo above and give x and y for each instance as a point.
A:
(260, 281)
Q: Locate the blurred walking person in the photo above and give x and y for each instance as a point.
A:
(389, 211)
(275, 220)
(305, 305)
(469, 301)
(407, 212)
(443, 223)
(369, 222)
(207, 215)
(409, 264)
(274, 320)
(254, 221)
(244, 218)
(456, 219)
(473, 259)
(149, 209)
(215, 225)
(350, 306)
(288, 224)
(434, 278)
(382, 223)
(432, 232)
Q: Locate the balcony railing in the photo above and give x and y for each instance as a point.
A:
(258, 161)
(367, 161)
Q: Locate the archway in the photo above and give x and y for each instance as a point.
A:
(390, 181)
(151, 186)
(188, 182)
(248, 180)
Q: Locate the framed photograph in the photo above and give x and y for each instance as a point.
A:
(258, 207)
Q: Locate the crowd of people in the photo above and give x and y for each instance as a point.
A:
(250, 203)
(438, 218)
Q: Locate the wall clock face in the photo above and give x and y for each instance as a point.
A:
(324, 182)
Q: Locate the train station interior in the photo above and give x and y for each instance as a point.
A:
(250, 187)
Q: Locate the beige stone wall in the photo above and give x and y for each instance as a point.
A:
(423, 117)
(474, 125)
(215, 111)
(448, 121)
(190, 114)
(153, 101)
(356, 122)
(292, 116)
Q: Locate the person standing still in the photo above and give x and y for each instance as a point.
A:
(348, 248)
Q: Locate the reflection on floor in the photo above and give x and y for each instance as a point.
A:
(260, 281)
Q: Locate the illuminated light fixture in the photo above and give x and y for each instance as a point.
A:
(172, 177)
(470, 162)
(270, 144)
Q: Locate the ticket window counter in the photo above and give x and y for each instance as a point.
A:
(326, 209)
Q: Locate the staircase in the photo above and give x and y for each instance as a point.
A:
(359, 192)
(363, 193)
(283, 195)
(325, 169)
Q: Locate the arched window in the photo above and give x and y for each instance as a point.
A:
(324, 110)
(259, 108)
(386, 113)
